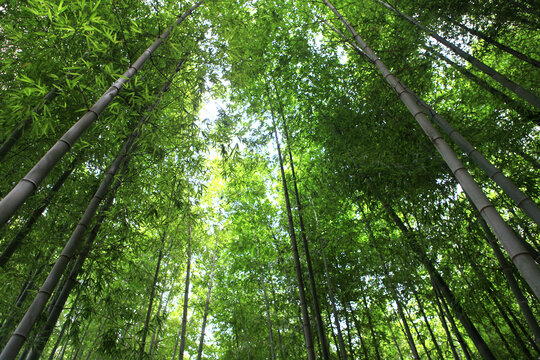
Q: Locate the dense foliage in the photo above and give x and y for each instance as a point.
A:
(401, 264)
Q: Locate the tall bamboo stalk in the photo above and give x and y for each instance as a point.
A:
(294, 247)
(406, 328)
(152, 295)
(17, 240)
(520, 199)
(517, 252)
(460, 339)
(20, 335)
(397, 345)
(342, 349)
(525, 113)
(393, 290)
(186, 299)
(27, 185)
(266, 307)
(490, 40)
(45, 332)
(505, 312)
(374, 335)
(418, 336)
(495, 75)
(428, 325)
(207, 305)
(36, 110)
(11, 318)
(311, 274)
(444, 324)
(443, 288)
(513, 284)
(341, 342)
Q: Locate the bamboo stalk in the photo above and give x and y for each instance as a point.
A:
(27, 185)
(515, 249)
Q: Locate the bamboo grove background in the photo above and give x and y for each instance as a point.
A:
(253, 179)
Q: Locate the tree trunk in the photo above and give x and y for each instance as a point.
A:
(186, 300)
(392, 289)
(461, 341)
(267, 308)
(497, 44)
(406, 328)
(513, 104)
(92, 347)
(349, 336)
(37, 110)
(59, 338)
(341, 346)
(509, 188)
(495, 326)
(63, 350)
(18, 195)
(342, 349)
(300, 282)
(36, 354)
(397, 345)
(503, 313)
(418, 336)
(374, 335)
(426, 321)
(445, 326)
(10, 321)
(282, 352)
(163, 309)
(207, 305)
(63, 292)
(80, 349)
(512, 282)
(20, 335)
(25, 229)
(503, 80)
(333, 334)
(441, 285)
(152, 294)
(520, 199)
(313, 286)
(523, 260)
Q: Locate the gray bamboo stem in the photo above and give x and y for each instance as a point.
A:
(207, 305)
(444, 324)
(186, 299)
(461, 341)
(517, 252)
(294, 247)
(520, 199)
(37, 110)
(342, 349)
(495, 75)
(151, 301)
(20, 335)
(27, 185)
(428, 325)
(497, 44)
(311, 273)
(513, 284)
(267, 307)
(513, 104)
(17, 240)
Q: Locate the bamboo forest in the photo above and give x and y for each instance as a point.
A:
(269, 179)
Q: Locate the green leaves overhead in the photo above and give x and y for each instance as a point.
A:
(376, 195)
